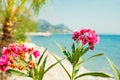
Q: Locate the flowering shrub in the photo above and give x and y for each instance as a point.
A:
(14, 53)
(86, 40)
(24, 61)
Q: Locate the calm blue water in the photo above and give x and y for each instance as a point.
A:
(109, 45)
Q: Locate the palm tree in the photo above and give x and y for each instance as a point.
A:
(10, 9)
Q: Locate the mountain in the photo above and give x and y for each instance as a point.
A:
(45, 26)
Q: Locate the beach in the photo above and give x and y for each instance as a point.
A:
(57, 72)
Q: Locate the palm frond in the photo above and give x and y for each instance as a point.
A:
(36, 5)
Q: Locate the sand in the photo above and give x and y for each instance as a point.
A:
(57, 72)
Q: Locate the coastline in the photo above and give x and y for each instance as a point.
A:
(45, 34)
(57, 72)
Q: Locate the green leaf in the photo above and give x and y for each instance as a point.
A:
(30, 57)
(69, 57)
(41, 56)
(19, 60)
(31, 73)
(42, 69)
(66, 52)
(73, 48)
(114, 69)
(36, 71)
(62, 65)
(41, 72)
(76, 55)
(18, 73)
(95, 74)
(85, 50)
(96, 55)
(53, 65)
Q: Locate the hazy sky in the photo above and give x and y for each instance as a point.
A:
(101, 15)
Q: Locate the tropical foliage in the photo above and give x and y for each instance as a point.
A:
(10, 9)
(25, 25)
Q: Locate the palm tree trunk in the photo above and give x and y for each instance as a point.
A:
(6, 39)
(7, 36)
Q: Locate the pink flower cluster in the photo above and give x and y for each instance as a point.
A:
(15, 51)
(4, 63)
(86, 36)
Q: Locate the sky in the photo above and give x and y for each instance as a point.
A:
(100, 15)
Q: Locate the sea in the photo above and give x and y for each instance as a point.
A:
(108, 44)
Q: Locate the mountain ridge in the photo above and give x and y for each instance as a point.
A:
(45, 26)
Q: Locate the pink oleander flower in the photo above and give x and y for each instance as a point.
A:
(4, 63)
(75, 36)
(23, 47)
(14, 48)
(5, 50)
(30, 50)
(86, 36)
(36, 54)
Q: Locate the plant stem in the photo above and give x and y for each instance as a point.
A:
(73, 74)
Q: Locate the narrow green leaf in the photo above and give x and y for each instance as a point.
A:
(18, 73)
(69, 57)
(96, 55)
(76, 55)
(80, 54)
(73, 48)
(36, 71)
(66, 52)
(95, 74)
(30, 57)
(85, 50)
(62, 65)
(114, 69)
(41, 56)
(53, 65)
(19, 60)
(42, 69)
(41, 72)
(31, 73)
(44, 62)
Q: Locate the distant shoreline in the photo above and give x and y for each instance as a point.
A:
(50, 33)
(46, 34)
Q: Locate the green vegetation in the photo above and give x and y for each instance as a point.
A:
(10, 9)
(75, 59)
(25, 25)
(115, 70)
